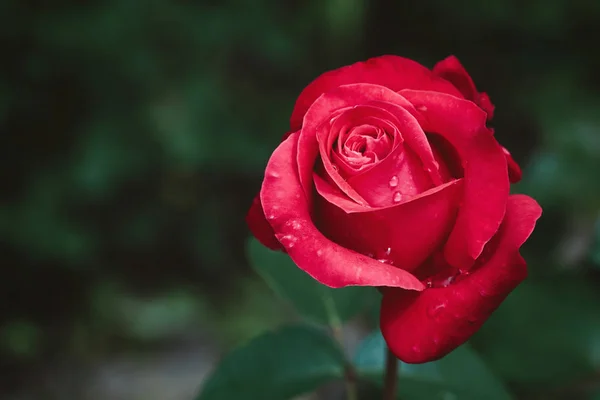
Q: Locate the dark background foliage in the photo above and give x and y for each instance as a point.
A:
(133, 138)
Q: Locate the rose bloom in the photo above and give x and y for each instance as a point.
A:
(390, 177)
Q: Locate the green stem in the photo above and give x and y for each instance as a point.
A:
(391, 376)
(351, 391)
(338, 333)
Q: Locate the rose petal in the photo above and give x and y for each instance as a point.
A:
(326, 136)
(320, 114)
(393, 72)
(514, 171)
(452, 70)
(408, 170)
(258, 224)
(284, 202)
(260, 227)
(404, 234)
(486, 185)
(422, 327)
(400, 176)
(410, 127)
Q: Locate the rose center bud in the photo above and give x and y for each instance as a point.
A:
(363, 146)
(374, 159)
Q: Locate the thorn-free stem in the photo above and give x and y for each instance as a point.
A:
(338, 334)
(391, 376)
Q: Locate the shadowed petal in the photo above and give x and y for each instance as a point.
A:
(486, 185)
(260, 227)
(404, 234)
(452, 70)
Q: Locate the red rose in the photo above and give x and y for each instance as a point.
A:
(390, 177)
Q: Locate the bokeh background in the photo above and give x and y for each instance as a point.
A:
(134, 135)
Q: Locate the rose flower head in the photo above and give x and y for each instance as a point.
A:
(390, 177)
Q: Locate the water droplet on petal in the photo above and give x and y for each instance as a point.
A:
(435, 310)
(294, 224)
(274, 175)
(394, 181)
(271, 217)
(446, 282)
(429, 283)
(319, 252)
(388, 251)
(288, 241)
(397, 197)
(421, 108)
(464, 272)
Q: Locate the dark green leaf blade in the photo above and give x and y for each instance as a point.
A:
(312, 299)
(460, 375)
(545, 331)
(276, 366)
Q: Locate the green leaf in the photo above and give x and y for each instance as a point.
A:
(545, 331)
(276, 366)
(312, 299)
(460, 375)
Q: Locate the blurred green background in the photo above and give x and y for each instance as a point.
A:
(133, 138)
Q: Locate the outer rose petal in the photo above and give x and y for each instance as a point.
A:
(452, 70)
(287, 210)
(393, 72)
(258, 224)
(260, 227)
(514, 171)
(422, 327)
(486, 184)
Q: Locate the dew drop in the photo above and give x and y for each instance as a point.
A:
(421, 108)
(429, 283)
(319, 252)
(434, 311)
(294, 224)
(397, 197)
(274, 175)
(464, 272)
(271, 217)
(446, 282)
(288, 240)
(394, 181)
(388, 251)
